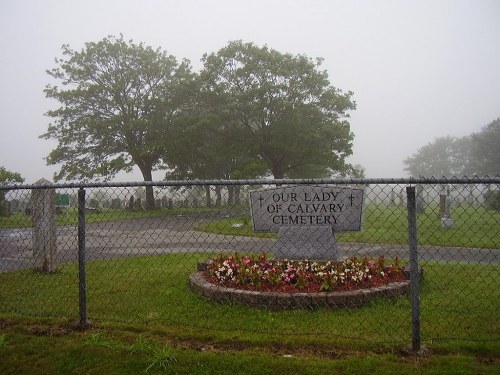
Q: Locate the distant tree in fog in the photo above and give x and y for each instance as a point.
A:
(442, 158)
(485, 153)
(476, 154)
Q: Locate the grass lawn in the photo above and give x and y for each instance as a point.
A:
(148, 321)
(460, 304)
(473, 227)
(41, 347)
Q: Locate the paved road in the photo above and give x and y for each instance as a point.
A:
(176, 234)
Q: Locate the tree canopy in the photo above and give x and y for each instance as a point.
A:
(485, 153)
(7, 177)
(476, 154)
(251, 111)
(441, 158)
(292, 119)
(118, 101)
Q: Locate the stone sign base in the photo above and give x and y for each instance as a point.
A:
(306, 242)
(280, 301)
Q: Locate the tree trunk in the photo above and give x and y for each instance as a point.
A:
(207, 196)
(278, 172)
(237, 196)
(218, 194)
(147, 175)
(230, 195)
(278, 169)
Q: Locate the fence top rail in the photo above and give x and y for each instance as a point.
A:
(334, 181)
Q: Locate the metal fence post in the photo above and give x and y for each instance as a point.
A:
(414, 271)
(83, 322)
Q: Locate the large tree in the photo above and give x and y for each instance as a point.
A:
(288, 114)
(118, 101)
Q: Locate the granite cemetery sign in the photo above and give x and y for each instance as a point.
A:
(306, 218)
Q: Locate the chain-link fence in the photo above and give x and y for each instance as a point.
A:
(211, 254)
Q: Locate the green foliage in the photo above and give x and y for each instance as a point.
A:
(289, 116)
(251, 111)
(446, 156)
(7, 178)
(486, 150)
(70, 353)
(3, 340)
(458, 301)
(118, 102)
(477, 154)
(214, 150)
(162, 358)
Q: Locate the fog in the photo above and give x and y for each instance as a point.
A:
(418, 69)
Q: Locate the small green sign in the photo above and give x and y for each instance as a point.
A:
(62, 199)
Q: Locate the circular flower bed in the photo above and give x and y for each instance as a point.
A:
(257, 280)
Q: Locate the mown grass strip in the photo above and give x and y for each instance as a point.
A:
(459, 303)
(40, 348)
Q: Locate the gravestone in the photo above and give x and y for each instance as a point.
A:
(116, 203)
(306, 218)
(164, 202)
(442, 205)
(420, 200)
(43, 216)
(444, 211)
(15, 206)
(7, 208)
(138, 204)
(93, 203)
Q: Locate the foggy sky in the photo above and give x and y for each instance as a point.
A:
(418, 69)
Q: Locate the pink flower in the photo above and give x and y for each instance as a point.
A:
(246, 260)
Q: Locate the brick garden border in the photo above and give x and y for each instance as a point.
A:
(278, 301)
